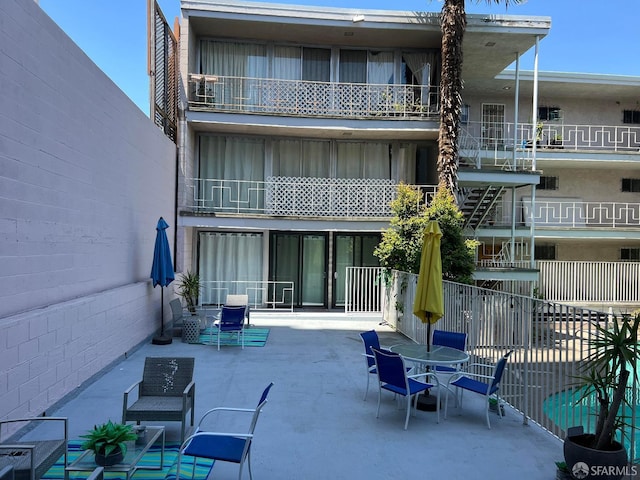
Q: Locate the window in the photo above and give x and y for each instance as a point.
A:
(630, 254)
(631, 116)
(545, 252)
(548, 183)
(631, 184)
(549, 113)
(464, 115)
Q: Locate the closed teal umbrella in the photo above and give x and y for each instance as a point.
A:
(162, 273)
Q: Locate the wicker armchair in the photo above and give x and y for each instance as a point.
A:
(31, 459)
(165, 393)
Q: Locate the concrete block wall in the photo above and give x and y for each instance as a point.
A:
(84, 177)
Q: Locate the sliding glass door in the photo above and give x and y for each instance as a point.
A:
(301, 258)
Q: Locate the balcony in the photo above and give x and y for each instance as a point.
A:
(300, 98)
(550, 213)
(483, 146)
(296, 196)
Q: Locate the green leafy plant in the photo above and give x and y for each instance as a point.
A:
(189, 289)
(605, 374)
(106, 438)
(401, 243)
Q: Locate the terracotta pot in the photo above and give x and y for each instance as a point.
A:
(597, 464)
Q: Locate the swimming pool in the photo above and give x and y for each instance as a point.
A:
(567, 410)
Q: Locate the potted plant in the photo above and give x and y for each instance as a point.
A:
(605, 374)
(189, 290)
(108, 442)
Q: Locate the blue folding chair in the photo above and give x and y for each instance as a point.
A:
(370, 339)
(392, 376)
(223, 446)
(481, 384)
(231, 320)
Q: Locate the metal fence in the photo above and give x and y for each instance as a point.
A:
(549, 341)
(262, 294)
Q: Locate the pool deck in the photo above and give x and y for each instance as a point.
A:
(316, 424)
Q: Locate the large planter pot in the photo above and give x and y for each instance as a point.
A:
(114, 457)
(594, 464)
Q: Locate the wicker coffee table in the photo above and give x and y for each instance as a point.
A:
(135, 451)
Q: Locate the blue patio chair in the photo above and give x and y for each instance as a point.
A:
(370, 339)
(392, 376)
(486, 385)
(231, 320)
(223, 446)
(455, 340)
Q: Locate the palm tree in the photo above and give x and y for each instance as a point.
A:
(453, 24)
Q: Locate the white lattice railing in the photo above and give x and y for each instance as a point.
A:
(301, 196)
(305, 98)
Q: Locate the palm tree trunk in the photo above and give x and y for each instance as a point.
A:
(453, 25)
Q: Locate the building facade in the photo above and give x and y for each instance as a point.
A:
(298, 123)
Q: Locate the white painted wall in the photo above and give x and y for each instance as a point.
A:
(84, 177)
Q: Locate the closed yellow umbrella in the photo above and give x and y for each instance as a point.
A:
(429, 301)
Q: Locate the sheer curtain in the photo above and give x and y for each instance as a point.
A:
(380, 68)
(353, 66)
(301, 158)
(363, 160)
(425, 68)
(226, 258)
(227, 59)
(287, 63)
(232, 171)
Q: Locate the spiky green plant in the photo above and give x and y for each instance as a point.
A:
(605, 374)
(105, 438)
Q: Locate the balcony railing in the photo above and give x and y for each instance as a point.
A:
(304, 98)
(552, 136)
(574, 214)
(297, 196)
(262, 294)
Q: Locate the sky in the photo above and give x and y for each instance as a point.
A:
(587, 36)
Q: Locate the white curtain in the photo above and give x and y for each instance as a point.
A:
(363, 160)
(380, 68)
(243, 60)
(287, 63)
(301, 158)
(226, 258)
(223, 162)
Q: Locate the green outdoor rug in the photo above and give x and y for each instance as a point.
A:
(151, 458)
(253, 337)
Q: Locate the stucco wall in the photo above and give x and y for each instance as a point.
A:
(84, 177)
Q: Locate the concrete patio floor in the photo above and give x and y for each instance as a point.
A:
(316, 424)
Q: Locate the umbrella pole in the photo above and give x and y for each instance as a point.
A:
(427, 402)
(162, 339)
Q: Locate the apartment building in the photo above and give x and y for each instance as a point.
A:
(297, 124)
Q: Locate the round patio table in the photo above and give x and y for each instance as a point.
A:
(438, 355)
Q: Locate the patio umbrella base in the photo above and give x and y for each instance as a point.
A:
(162, 340)
(427, 403)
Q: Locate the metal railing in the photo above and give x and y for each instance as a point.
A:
(549, 341)
(299, 196)
(574, 213)
(363, 289)
(553, 136)
(262, 294)
(591, 282)
(306, 98)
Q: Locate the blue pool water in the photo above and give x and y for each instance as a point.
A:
(567, 410)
